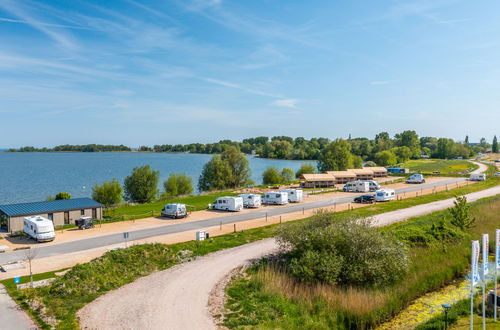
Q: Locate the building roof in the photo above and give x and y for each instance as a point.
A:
(342, 174)
(361, 171)
(376, 169)
(318, 177)
(48, 206)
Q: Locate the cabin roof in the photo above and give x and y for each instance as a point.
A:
(342, 174)
(21, 209)
(318, 177)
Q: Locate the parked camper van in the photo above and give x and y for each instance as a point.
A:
(477, 177)
(416, 178)
(374, 185)
(251, 200)
(174, 210)
(39, 228)
(275, 197)
(228, 203)
(384, 195)
(294, 195)
(356, 186)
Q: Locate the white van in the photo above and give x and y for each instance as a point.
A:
(251, 200)
(477, 177)
(415, 178)
(174, 210)
(39, 228)
(294, 195)
(275, 197)
(374, 185)
(384, 195)
(356, 186)
(228, 203)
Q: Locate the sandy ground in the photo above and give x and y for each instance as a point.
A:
(178, 298)
(41, 265)
(172, 299)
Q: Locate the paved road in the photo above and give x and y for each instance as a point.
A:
(12, 317)
(481, 169)
(178, 298)
(91, 243)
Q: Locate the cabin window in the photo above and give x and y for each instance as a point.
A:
(66, 218)
(82, 212)
(51, 216)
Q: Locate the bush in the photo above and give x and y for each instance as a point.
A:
(62, 195)
(460, 214)
(344, 251)
(271, 176)
(287, 175)
(109, 193)
(142, 185)
(178, 184)
(306, 169)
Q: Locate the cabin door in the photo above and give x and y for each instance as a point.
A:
(66, 218)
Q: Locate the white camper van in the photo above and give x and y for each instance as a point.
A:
(415, 178)
(294, 195)
(251, 200)
(275, 197)
(174, 210)
(477, 177)
(228, 203)
(356, 186)
(39, 228)
(384, 195)
(374, 185)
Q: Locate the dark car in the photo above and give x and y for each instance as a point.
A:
(365, 199)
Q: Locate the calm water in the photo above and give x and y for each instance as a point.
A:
(27, 177)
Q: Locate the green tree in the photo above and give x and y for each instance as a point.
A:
(357, 161)
(494, 145)
(460, 214)
(306, 169)
(238, 163)
(409, 139)
(336, 156)
(403, 153)
(271, 176)
(384, 158)
(216, 175)
(178, 184)
(466, 140)
(287, 175)
(142, 185)
(62, 195)
(109, 193)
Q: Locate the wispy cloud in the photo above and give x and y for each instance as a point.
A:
(65, 26)
(379, 82)
(287, 103)
(237, 86)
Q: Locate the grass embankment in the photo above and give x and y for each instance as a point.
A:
(116, 268)
(428, 166)
(272, 299)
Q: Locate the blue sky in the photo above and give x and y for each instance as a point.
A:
(153, 72)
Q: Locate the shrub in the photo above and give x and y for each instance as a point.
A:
(460, 214)
(271, 176)
(287, 175)
(109, 193)
(178, 184)
(306, 169)
(142, 185)
(62, 195)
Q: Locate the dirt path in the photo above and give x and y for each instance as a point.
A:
(481, 169)
(172, 299)
(177, 298)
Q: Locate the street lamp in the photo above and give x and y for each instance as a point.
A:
(446, 310)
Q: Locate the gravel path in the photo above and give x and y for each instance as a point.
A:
(177, 298)
(481, 169)
(12, 317)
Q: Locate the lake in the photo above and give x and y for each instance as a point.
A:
(28, 177)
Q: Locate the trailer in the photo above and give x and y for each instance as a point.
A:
(294, 195)
(39, 228)
(174, 210)
(228, 203)
(251, 200)
(275, 198)
(385, 195)
(477, 177)
(356, 186)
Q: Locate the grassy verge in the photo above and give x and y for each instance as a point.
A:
(441, 165)
(269, 299)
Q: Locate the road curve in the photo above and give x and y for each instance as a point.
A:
(173, 299)
(178, 298)
(481, 169)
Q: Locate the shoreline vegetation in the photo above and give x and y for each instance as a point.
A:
(382, 149)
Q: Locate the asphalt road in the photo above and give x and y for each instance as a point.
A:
(12, 317)
(91, 243)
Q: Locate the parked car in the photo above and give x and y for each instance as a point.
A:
(477, 177)
(370, 199)
(415, 178)
(497, 174)
(174, 210)
(84, 223)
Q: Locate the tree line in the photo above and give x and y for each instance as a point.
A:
(75, 148)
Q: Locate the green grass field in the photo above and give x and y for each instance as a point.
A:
(441, 165)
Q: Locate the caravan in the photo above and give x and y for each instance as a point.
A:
(294, 195)
(477, 177)
(251, 200)
(174, 210)
(357, 186)
(374, 185)
(276, 198)
(39, 228)
(385, 195)
(228, 203)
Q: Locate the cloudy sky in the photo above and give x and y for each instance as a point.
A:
(144, 72)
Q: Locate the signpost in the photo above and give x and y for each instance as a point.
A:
(125, 237)
(484, 273)
(474, 279)
(17, 279)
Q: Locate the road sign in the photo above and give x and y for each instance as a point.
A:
(125, 235)
(17, 279)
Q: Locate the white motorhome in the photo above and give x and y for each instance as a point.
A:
(477, 177)
(294, 195)
(384, 195)
(275, 197)
(374, 185)
(251, 200)
(228, 203)
(174, 210)
(39, 228)
(356, 186)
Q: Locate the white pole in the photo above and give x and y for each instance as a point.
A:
(484, 309)
(472, 302)
(495, 295)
